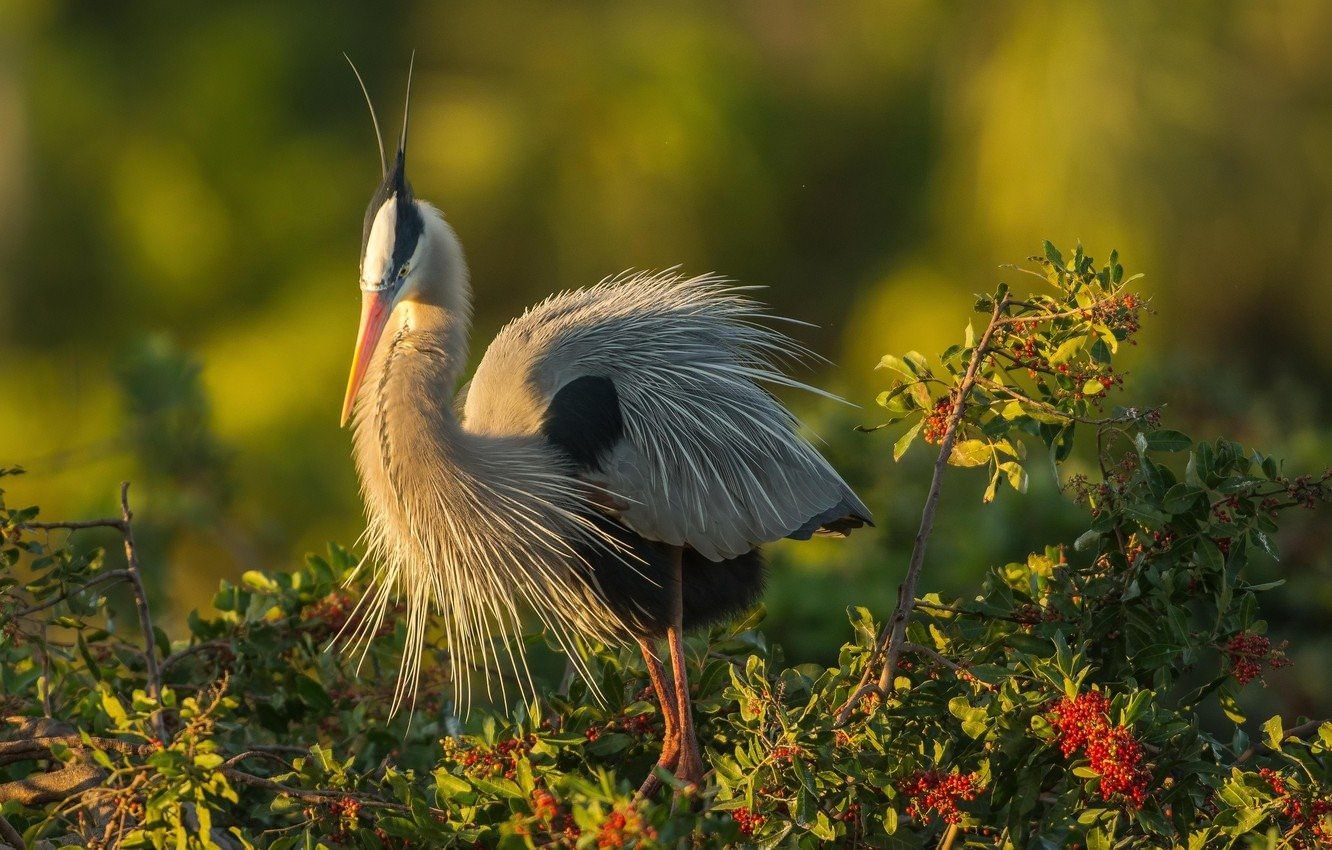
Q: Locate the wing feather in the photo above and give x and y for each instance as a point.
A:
(703, 455)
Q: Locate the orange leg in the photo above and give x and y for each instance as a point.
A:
(690, 767)
(670, 745)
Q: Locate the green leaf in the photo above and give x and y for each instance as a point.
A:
(904, 442)
(917, 364)
(256, 580)
(992, 489)
(1273, 732)
(1017, 476)
(1052, 254)
(892, 361)
(114, 710)
(970, 453)
(921, 394)
(1067, 351)
(1168, 441)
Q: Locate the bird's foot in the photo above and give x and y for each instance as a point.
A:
(689, 770)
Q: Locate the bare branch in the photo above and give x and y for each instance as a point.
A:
(141, 603)
(75, 525)
(113, 575)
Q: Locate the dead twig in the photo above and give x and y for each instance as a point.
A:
(145, 617)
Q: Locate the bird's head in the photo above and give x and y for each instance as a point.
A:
(392, 242)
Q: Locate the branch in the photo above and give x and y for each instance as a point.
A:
(132, 574)
(33, 748)
(76, 525)
(113, 575)
(943, 661)
(935, 606)
(145, 618)
(889, 646)
(180, 655)
(1304, 730)
(322, 796)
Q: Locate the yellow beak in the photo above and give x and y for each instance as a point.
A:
(375, 309)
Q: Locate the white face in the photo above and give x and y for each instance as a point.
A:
(379, 248)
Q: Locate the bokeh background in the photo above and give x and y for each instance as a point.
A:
(181, 196)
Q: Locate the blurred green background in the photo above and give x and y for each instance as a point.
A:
(181, 196)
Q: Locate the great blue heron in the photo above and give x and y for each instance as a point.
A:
(613, 465)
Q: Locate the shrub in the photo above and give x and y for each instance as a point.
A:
(1061, 705)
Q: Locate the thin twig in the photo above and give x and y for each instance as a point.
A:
(943, 661)
(145, 617)
(964, 612)
(370, 800)
(131, 573)
(889, 646)
(74, 525)
(1304, 730)
(949, 836)
(113, 575)
(180, 655)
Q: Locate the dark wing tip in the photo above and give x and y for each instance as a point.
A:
(838, 521)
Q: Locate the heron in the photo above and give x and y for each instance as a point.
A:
(613, 466)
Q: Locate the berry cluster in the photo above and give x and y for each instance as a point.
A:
(559, 823)
(638, 725)
(787, 753)
(936, 421)
(623, 824)
(748, 821)
(1083, 723)
(931, 792)
(499, 760)
(1306, 492)
(1249, 653)
(345, 811)
(1311, 812)
(330, 615)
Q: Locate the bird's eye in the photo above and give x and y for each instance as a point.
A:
(402, 272)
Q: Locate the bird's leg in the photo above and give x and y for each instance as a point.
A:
(690, 767)
(670, 744)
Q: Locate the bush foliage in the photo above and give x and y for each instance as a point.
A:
(1075, 700)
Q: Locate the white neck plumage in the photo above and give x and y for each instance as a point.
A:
(458, 522)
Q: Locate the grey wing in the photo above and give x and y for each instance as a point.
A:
(652, 388)
(721, 468)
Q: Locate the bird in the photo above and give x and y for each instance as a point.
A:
(612, 468)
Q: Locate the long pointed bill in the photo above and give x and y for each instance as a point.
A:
(375, 309)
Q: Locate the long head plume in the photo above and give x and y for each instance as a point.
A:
(374, 119)
(406, 110)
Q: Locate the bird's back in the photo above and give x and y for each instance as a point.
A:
(652, 386)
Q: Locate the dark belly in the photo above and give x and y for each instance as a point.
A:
(638, 590)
